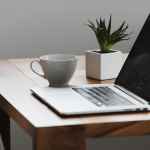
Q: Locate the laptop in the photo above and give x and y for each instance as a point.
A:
(130, 92)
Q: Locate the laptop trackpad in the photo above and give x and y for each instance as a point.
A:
(65, 98)
(66, 103)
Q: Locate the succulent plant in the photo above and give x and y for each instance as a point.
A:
(106, 39)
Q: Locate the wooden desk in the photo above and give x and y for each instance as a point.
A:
(49, 130)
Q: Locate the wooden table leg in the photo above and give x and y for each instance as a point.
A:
(60, 138)
(5, 129)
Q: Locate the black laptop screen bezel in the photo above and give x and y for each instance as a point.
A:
(136, 51)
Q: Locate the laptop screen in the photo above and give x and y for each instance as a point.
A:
(135, 73)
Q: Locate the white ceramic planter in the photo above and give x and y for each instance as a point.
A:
(103, 66)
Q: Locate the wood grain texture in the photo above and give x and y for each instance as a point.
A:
(78, 78)
(26, 109)
(116, 123)
(93, 122)
(100, 125)
(17, 116)
(118, 129)
(61, 138)
(5, 129)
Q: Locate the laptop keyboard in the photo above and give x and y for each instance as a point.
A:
(103, 96)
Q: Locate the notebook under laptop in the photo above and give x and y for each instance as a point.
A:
(130, 92)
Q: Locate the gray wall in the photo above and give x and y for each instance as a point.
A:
(31, 28)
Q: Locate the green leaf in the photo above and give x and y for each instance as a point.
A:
(112, 36)
(121, 26)
(98, 24)
(105, 39)
(105, 30)
(123, 30)
(101, 23)
(92, 24)
(109, 26)
(115, 41)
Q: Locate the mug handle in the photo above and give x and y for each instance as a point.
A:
(34, 70)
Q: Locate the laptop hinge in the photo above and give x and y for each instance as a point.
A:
(131, 94)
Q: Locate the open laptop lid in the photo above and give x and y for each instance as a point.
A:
(135, 73)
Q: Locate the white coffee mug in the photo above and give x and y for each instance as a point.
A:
(58, 68)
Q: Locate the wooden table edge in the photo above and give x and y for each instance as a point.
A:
(29, 127)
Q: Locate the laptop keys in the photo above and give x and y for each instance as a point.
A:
(105, 99)
(92, 98)
(116, 95)
(110, 97)
(103, 95)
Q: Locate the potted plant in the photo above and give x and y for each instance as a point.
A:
(105, 63)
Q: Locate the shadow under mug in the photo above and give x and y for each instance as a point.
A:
(58, 69)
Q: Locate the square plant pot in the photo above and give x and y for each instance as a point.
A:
(103, 66)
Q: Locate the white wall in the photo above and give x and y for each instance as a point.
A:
(31, 28)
